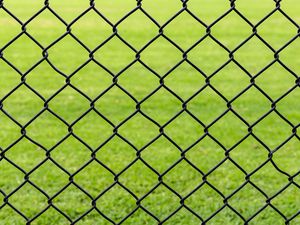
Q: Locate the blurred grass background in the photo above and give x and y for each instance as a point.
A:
(67, 55)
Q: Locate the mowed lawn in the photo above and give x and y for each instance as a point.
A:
(58, 165)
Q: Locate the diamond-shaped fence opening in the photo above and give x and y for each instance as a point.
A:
(49, 177)
(25, 111)
(28, 159)
(149, 112)
(230, 90)
(231, 30)
(137, 37)
(91, 29)
(184, 86)
(15, 53)
(138, 81)
(74, 54)
(43, 80)
(190, 27)
(161, 55)
(46, 27)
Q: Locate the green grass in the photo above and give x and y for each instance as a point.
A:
(67, 55)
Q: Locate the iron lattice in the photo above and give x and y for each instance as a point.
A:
(139, 111)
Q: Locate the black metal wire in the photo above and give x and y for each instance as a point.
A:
(115, 127)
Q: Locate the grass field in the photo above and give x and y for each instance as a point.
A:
(161, 56)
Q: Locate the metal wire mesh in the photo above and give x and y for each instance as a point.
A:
(137, 111)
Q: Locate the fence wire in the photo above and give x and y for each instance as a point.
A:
(95, 201)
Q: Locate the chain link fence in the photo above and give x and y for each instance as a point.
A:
(148, 187)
